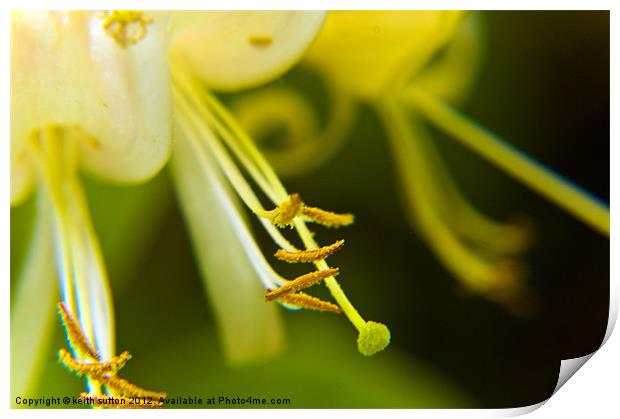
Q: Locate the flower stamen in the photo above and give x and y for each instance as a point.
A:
(303, 300)
(301, 282)
(126, 27)
(210, 128)
(327, 218)
(125, 388)
(76, 339)
(284, 214)
(96, 368)
(101, 373)
(309, 255)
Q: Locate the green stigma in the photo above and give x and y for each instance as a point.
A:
(373, 337)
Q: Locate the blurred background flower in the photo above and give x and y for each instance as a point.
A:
(411, 67)
(543, 83)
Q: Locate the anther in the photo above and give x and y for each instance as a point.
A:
(104, 372)
(101, 372)
(124, 387)
(327, 218)
(292, 206)
(97, 368)
(74, 334)
(302, 300)
(284, 214)
(309, 255)
(126, 27)
(300, 283)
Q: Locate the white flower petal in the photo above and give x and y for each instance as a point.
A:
(66, 70)
(236, 50)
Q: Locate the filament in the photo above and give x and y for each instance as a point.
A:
(267, 275)
(82, 275)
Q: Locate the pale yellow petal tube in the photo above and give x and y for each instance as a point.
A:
(250, 328)
(236, 50)
(32, 310)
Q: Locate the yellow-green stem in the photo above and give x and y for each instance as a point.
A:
(553, 186)
(331, 283)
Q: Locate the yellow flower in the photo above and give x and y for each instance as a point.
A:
(369, 53)
(97, 91)
(410, 66)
